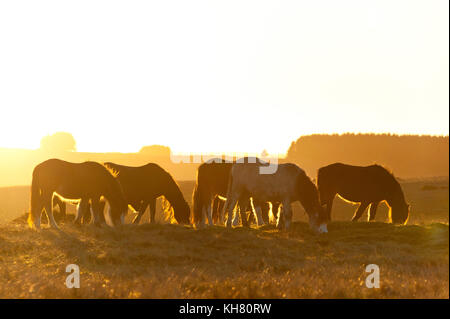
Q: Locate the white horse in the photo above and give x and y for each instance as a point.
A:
(287, 184)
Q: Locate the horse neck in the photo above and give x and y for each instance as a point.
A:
(173, 193)
(113, 192)
(396, 196)
(309, 196)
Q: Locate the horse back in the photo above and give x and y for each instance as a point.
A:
(142, 181)
(355, 183)
(68, 178)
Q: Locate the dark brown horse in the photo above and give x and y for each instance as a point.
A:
(367, 185)
(144, 184)
(88, 181)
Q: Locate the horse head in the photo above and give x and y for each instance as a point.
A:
(182, 213)
(400, 213)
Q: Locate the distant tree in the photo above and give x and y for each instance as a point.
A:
(58, 142)
(156, 150)
(405, 155)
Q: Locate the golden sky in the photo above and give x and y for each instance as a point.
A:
(220, 75)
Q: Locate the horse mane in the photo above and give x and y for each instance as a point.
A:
(110, 169)
(390, 173)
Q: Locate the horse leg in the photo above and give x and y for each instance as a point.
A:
(101, 216)
(329, 206)
(236, 215)
(81, 207)
(151, 210)
(139, 213)
(86, 214)
(216, 207)
(275, 210)
(222, 213)
(281, 220)
(251, 216)
(96, 211)
(49, 211)
(229, 207)
(243, 214)
(209, 213)
(265, 208)
(373, 210)
(258, 214)
(287, 214)
(362, 207)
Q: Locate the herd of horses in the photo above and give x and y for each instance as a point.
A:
(224, 193)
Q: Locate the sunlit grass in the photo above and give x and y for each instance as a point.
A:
(171, 261)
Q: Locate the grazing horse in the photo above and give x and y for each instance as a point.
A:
(367, 185)
(210, 188)
(88, 181)
(288, 184)
(144, 184)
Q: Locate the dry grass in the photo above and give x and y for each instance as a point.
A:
(171, 261)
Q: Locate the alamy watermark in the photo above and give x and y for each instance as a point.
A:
(270, 168)
(373, 279)
(73, 280)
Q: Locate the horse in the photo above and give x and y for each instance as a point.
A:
(87, 181)
(367, 185)
(144, 184)
(210, 189)
(288, 184)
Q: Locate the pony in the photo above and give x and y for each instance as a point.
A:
(87, 181)
(210, 190)
(367, 185)
(288, 184)
(144, 184)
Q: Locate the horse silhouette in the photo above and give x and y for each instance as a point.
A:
(144, 184)
(87, 181)
(367, 185)
(288, 184)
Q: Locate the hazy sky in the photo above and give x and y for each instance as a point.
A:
(220, 75)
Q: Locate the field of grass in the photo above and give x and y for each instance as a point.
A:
(172, 261)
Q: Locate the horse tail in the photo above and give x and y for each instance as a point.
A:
(36, 207)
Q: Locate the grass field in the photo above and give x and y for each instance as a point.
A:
(172, 261)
